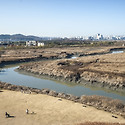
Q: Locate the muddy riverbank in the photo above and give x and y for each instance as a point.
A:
(107, 70)
(99, 102)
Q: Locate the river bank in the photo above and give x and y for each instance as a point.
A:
(27, 55)
(99, 102)
(103, 70)
(107, 70)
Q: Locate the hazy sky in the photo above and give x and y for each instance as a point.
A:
(62, 18)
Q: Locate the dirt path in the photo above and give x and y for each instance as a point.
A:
(47, 110)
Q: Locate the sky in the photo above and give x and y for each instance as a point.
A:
(62, 18)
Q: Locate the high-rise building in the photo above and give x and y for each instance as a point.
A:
(99, 36)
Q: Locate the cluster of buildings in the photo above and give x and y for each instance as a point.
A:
(98, 37)
(5, 43)
(34, 43)
(27, 43)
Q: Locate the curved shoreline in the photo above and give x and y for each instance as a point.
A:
(61, 55)
(83, 69)
(87, 83)
(112, 81)
(99, 102)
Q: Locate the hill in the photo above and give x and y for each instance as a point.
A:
(19, 37)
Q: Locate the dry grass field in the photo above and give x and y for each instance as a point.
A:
(99, 123)
(48, 110)
(22, 54)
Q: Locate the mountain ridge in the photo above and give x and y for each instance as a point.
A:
(20, 37)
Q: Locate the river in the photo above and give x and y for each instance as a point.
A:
(9, 75)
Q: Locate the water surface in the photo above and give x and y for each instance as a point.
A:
(9, 75)
(113, 52)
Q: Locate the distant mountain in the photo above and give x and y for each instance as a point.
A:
(18, 37)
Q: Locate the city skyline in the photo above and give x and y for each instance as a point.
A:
(62, 18)
(22, 37)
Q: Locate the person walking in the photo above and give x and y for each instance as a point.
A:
(7, 115)
(27, 111)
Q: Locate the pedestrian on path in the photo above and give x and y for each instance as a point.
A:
(27, 111)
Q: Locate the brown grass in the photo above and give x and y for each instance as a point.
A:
(48, 110)
(105, 103)
(99, 123)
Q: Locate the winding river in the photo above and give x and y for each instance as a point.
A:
(9, 75)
